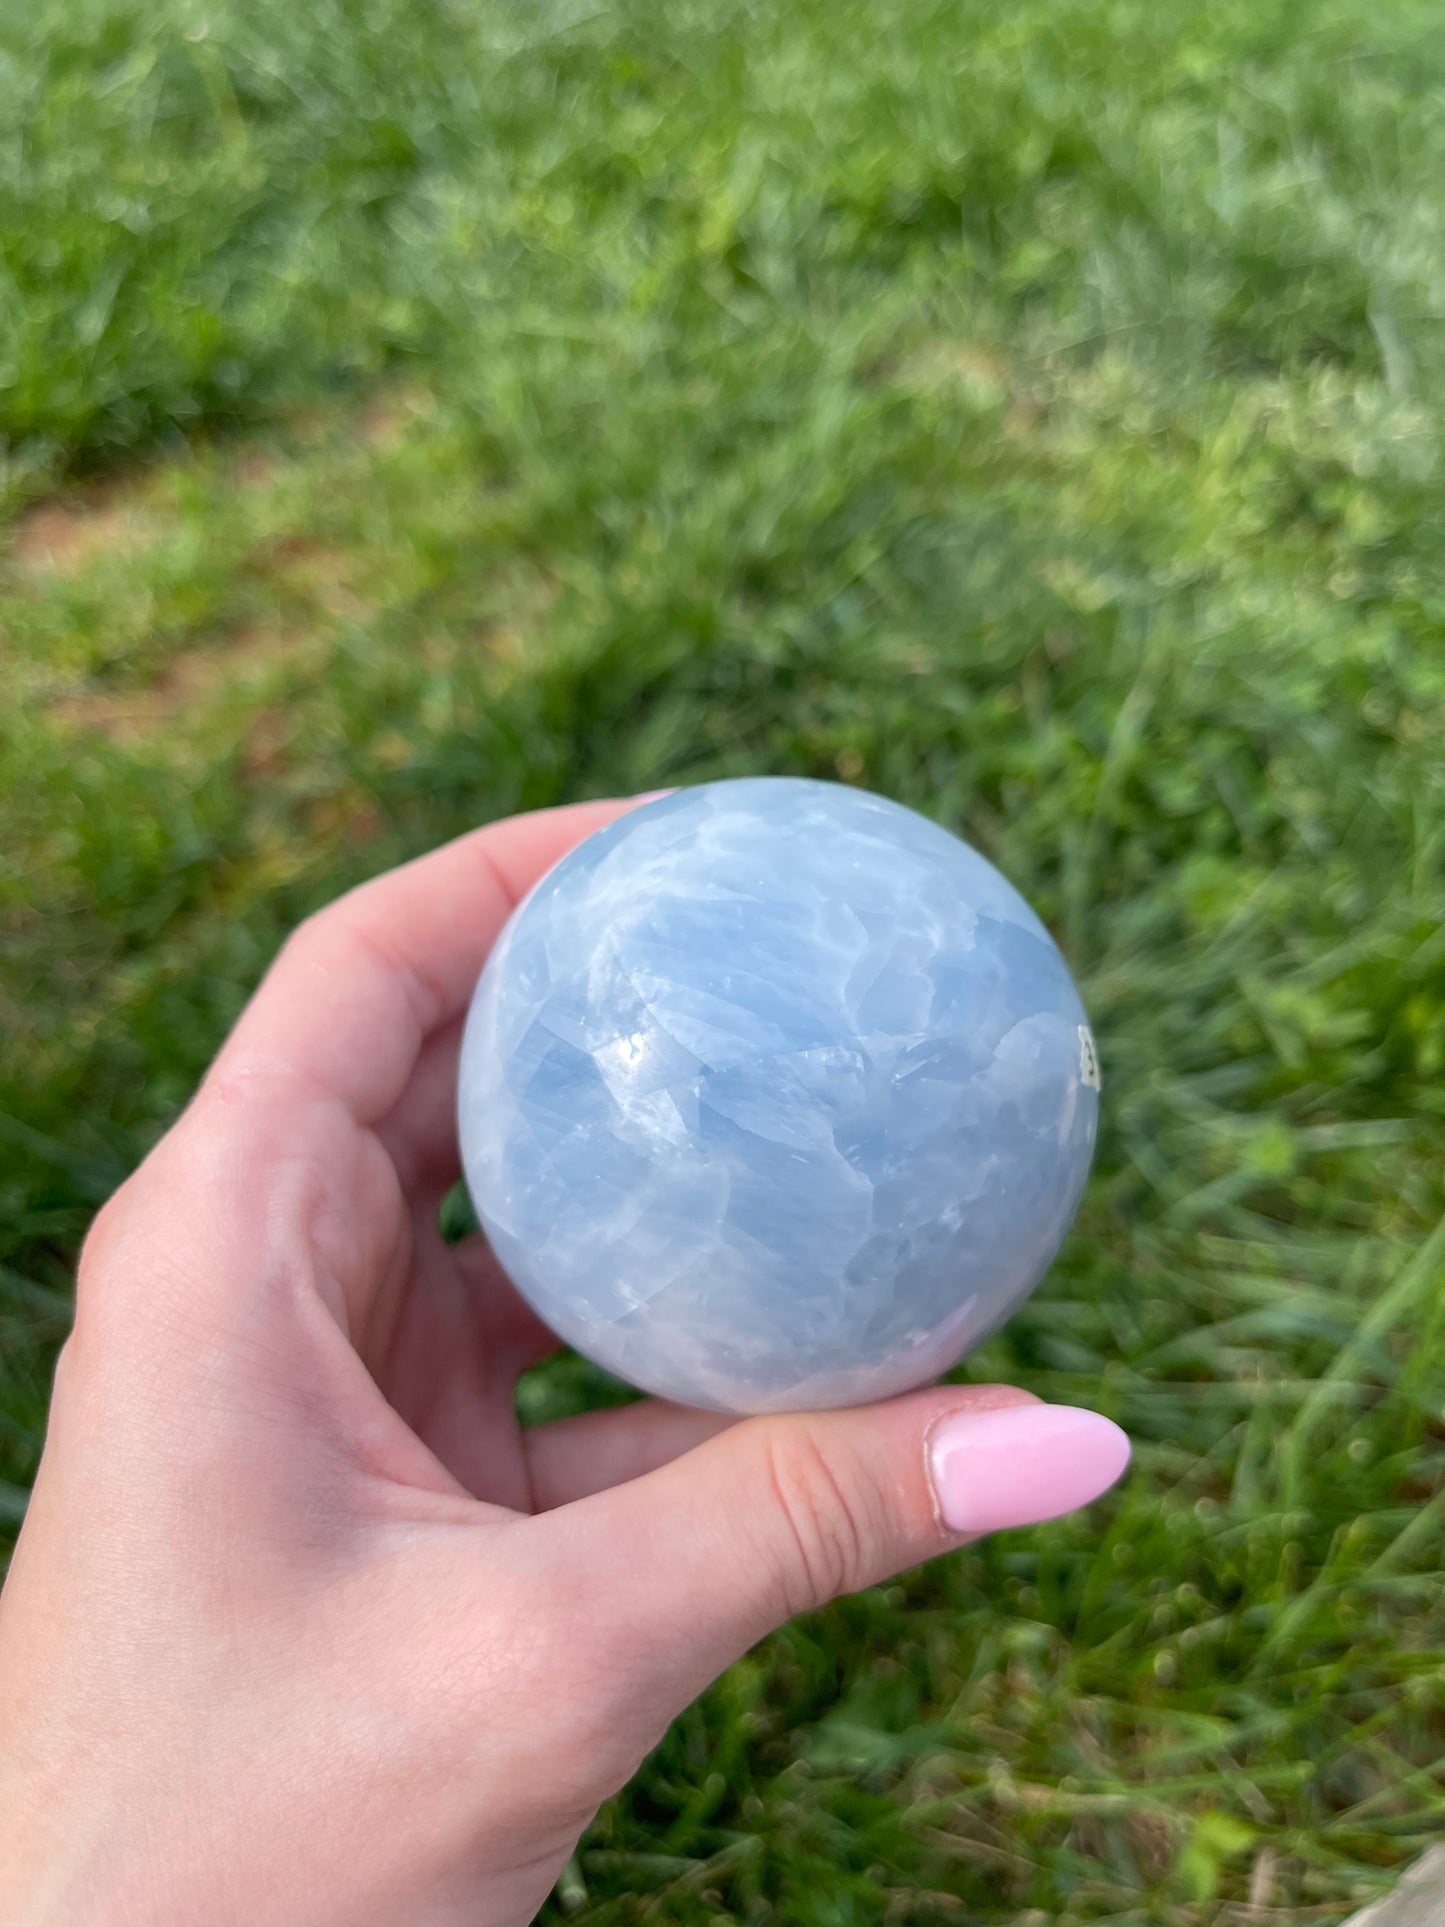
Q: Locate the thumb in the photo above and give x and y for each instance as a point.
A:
(778, 1515)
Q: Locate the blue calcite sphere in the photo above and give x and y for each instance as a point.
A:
(776, 1095)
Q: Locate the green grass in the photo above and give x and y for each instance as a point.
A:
(414, 413)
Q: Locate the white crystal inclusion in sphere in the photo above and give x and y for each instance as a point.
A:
(776, 1095)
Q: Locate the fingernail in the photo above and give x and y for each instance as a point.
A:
(653, 796)
(1024, 1463)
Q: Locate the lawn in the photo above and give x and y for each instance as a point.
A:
(411, 413)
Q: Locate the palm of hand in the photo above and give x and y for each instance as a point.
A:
(442, 1332)
(312, 1395)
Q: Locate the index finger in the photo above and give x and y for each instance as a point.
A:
(357, 989)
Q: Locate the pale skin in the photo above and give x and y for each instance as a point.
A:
(301, 1626)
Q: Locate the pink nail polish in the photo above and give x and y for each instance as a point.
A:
(1013, 1467)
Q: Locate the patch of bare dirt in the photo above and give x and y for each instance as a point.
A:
(326, 576)
(258, 468)
(384, 422)
(58, 538)
(980, 372)
(191, 682)
(968, 363)
(61, 537)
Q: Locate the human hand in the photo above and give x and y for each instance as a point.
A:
(301, 1627)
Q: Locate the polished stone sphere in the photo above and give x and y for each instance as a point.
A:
(776, 1095)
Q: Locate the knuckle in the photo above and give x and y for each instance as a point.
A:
(111, 1297)
(130, 1261)
(70, 1374)
(105, 1243)
(823, 1517)
(307, 939)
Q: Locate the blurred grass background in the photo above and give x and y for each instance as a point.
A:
(417, 412)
